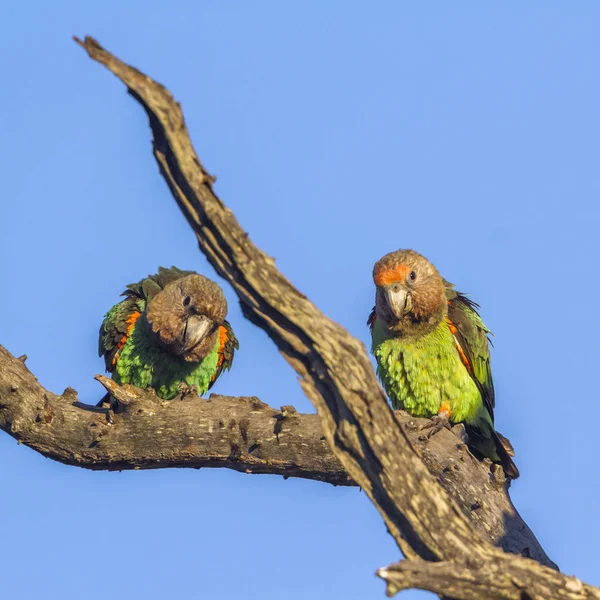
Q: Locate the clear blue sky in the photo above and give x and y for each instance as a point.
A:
(338, 131)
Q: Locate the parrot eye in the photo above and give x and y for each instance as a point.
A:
(412, 275)
(186, 301)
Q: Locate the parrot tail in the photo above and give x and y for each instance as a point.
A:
(486, 441)
(505, 451)
(506, 443)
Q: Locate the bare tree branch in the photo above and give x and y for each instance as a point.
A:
(521, 582)
(243, 434)
(336, 374)
(334, 367)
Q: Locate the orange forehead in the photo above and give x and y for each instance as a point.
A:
(391, 275)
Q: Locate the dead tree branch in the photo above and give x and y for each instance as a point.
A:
(337, 375)
(242, 434)
(487, 579)
(335, 370)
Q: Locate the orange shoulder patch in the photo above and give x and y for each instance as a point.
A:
(463, 357)
(451, 326)
(223, 337)
(131, 319)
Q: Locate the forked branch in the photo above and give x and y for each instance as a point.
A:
(432, 528)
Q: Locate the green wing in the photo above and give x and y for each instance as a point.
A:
(119, 320)
(471, 337)
(116, 327)
(229, 344)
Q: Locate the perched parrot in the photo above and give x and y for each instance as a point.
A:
(169, 333)
(432, 352)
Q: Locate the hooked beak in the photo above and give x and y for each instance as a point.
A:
(197, 327)
(398, 299)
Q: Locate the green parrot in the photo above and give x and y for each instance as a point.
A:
(432, 352)
(169, 333)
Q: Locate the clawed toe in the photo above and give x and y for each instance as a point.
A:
(185, 389)
(437, 423)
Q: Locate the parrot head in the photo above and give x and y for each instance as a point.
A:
(186, 315)
(411, 294)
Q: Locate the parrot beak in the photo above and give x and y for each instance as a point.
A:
(398, 299)
(197, 327)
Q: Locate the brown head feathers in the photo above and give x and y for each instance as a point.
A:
(411, 294)
(184, 310)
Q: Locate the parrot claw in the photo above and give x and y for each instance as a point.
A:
(109, 403)
(105, 401)
(437, 423)
(185, 389)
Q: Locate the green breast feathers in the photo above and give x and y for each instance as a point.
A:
(432, 351)
(421, 375)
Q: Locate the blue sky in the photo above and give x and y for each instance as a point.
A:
(338, 132)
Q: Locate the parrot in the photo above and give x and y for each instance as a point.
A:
(432, 352)
(169, 333)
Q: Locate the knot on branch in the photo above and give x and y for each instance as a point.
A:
(126, 394)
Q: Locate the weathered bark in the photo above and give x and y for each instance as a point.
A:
(337, 375)
(243, 434)
(488, 579)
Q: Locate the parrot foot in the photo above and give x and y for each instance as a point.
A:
(109, 403)
(437, 423)
(185, 389)
(105, 401)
